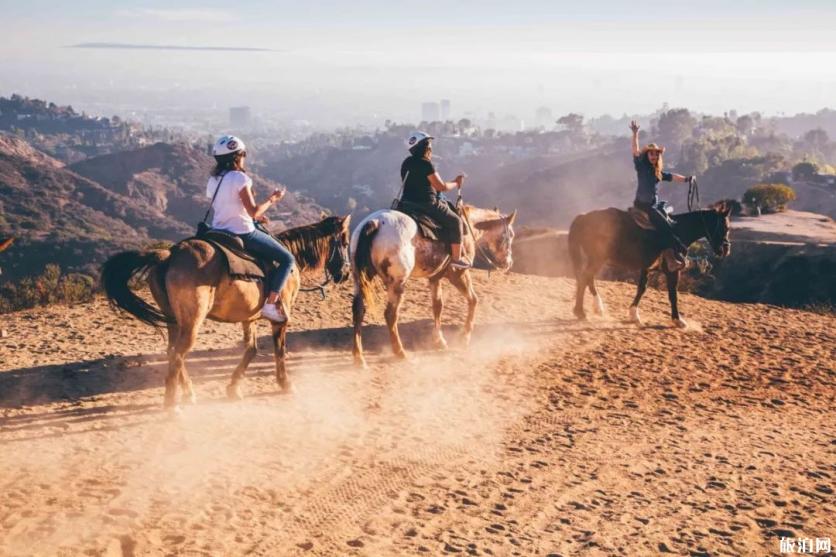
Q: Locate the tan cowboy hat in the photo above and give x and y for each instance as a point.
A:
(653, 147)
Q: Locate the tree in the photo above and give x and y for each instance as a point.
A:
(804, 171)
(675, 126)
(769, 198)
(745, 125)
(817, 139)
(572, 122)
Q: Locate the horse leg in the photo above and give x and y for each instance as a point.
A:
(233, 391)
(580, 289)
(437, 299)
(358, 312)
(673, 282)
(634, 307)
(464, 284)
(186, 336)
(599, 303)
(280, 348)
(172, 338)
(394, 293)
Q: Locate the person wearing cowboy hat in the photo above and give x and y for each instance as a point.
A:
(649, 165)
(423, 186)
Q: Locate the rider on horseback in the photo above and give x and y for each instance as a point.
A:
(236, 212)
(648, 163)
(423, 187)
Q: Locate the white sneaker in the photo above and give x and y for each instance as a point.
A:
(274, 313)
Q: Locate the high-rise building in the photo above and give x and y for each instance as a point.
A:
(239, 117)
(430, 112)
(445, 109)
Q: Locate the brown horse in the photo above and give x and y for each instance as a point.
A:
(387, 245)
(190, 283)
(611, 236)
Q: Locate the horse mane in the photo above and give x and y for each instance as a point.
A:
(310, 243)
(476, 214)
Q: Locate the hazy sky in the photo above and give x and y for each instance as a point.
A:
(352, 59)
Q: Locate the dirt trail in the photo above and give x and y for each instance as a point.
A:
(547, 436)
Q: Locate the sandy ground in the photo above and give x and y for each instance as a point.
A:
(547, 436)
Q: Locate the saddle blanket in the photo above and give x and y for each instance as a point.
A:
(241, 264)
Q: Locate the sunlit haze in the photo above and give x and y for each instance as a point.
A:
(337, 63)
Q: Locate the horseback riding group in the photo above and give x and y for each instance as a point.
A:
(236, 271)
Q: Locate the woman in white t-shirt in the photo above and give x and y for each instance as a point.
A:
(236, 212)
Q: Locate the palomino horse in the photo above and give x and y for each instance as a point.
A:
(611, 236)
(387, 245)
(190, 282)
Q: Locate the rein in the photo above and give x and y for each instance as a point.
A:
(485, 254)
(694, 201)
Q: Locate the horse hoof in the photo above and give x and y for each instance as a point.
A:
(581, 315)
(174, 412)
(634, 315)
(401, 355)
(680, 323)
(287, 388)
(233, 392)
(440, 344)
(191, 399)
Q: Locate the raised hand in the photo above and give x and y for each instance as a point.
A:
(277, 195)
(634, 127)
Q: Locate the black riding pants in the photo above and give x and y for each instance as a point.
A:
(450, 222)
(661, 222)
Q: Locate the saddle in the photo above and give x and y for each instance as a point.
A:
(428, 227)
(641, 218)
(241, 264)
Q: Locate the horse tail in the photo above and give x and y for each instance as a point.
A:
(363, 266)
(575, 245)
(120, 270)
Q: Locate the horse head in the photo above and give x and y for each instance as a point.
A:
(497, 238)
(338, 264)
(718, 227)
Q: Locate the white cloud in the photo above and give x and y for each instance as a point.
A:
(182, 15)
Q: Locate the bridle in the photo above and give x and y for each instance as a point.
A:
(335, 248)
(505, 241)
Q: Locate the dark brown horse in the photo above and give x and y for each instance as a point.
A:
(190, 283)
(611, 236)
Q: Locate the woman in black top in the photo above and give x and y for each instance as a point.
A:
(648, 163)
(422, 186)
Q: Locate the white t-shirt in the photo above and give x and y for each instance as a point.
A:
(230, 213)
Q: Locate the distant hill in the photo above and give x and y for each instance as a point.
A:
(76, 216)
(170, 181)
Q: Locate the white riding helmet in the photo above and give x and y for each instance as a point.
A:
(228, 144)
(416, 137)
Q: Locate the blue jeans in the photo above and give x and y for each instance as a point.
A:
(265, 246)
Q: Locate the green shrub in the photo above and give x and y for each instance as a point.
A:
(770, 198)
(50, 287)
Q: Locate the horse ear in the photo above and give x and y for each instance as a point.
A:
(512, 217)
(723, 207)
